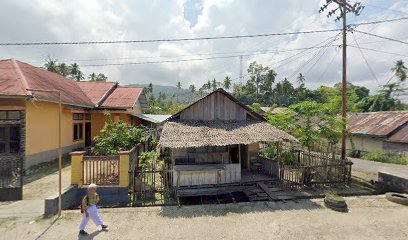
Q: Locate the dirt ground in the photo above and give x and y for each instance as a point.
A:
(369, 218)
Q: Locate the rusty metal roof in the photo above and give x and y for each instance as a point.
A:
(377, 124)
(16, 77)
(122, 97)
(97, 91)
(401, 135)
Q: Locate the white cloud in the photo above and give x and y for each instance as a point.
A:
(75, 20)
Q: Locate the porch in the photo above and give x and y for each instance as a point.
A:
(213, 165)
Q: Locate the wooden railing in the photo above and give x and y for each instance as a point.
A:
(311, 169)
(101, 170)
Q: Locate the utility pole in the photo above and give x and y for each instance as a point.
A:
(344, 8)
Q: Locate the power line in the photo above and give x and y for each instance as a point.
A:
(388, 9)
(378, 22)
(378, 36)
(379, 51)
(365, 59)
(166, 40)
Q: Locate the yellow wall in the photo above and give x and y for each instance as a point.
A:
(42, 127)
(366, 143)
(97, 123)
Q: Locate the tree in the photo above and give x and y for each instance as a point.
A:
(116, 136)
(256, 107)
(52, 65)
(93, 77)
(192, 89)
(214, 84)
(227, 82)
(178, 85)
(400, 71)
(75, 73)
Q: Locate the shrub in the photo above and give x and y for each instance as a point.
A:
(386, 157)
(269, 152)
(115, 137)
(148, 160)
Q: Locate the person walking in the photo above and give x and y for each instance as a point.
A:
(89, 210)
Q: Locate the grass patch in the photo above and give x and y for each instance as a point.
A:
(334, 197)
(386, 157)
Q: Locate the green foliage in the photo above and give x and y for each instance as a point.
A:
(289, 156)
(386, 157)
(269, 152)
(148, 160)
(115, 137)
(93, 77)
(256, 107)
(164, 104)
(310, 122)
(262, 88)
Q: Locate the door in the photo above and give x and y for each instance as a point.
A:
(11, 156)
(244, 156)
(88, 138)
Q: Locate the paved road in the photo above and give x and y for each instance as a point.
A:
(372, 167)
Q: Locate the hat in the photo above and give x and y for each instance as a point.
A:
(92, 185)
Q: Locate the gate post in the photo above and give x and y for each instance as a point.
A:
(124, 169)
(77, 168)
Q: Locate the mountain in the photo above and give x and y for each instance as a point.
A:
(183, 94)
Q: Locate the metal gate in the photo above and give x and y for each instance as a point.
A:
(152, 187)
(11, 154)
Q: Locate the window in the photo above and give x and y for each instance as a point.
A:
(87, 116)
(78, 116)
(9, 115)
(77, 131)
(9, 139)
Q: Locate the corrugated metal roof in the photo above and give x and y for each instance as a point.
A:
(378, 124)
(16, 77)
(96, 91)
(122, 97)
(154, 118)
(400, 136)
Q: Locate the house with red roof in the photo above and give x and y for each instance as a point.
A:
(29, 111)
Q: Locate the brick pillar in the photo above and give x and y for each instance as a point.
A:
(77, 168)
(124, 169)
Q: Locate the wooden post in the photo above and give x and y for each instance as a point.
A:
(77, 168)
(124, 169)
(239, 153)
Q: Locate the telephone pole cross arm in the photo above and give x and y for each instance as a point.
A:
(344, 7)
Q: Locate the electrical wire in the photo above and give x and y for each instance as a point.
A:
(365, 59)
(378, 36)
(167, 40)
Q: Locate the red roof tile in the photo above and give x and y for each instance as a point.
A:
(379, 124)
(97, 91)
(16, 77)
(122, 97)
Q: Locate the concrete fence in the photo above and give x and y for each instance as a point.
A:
(78, 170)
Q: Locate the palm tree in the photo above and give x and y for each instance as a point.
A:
(52, 65)
(214, 84)
(179, 85)
(75, 72)
(227, 82)
(63, 69)
(192, 90)
(400, 70)
(92, 77)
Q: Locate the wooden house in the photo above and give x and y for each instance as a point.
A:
(215, 139)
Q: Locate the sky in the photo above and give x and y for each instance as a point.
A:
(99, 20)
